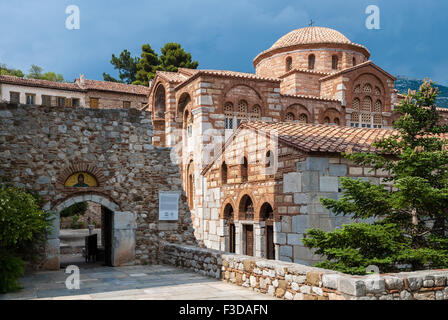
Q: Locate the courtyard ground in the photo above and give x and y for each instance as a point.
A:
(156, 282)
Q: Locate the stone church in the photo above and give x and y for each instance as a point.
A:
(314, 94)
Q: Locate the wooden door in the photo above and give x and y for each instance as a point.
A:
(249, 232)
(270, 247)
(94, 103)
(232, 238)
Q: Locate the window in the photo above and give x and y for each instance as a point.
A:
(75, 102)
(311, 61)
(334, 62)
(326, 120)
(224, 173)
(244, 169)
(229, 123)
(377, 91)
(126, 104)
(68, 102)
(336, 121)
(303, 118)
(94, 102)
(354, 61)
(289, 117)
(367, 88)
(61, 101)
(46, 100)
(190, 126)
(288, 63)
(255, 112)
(14, 97)
(30, 98)
(242, 106)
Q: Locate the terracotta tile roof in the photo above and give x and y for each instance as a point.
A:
(174, 77)
(226, 73)
(40, 83)
(304, 71)
(309, 97)
(112, 86)
(322, 138)
(366, 63)
(310, 36)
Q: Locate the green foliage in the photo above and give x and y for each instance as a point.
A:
(411, 218)
(12, 269)
(141, 70)
(35, 72)
(146, 65)
(4, 71)
(174, 56)
(22, 223)
(126, 66)
(79, 208)
(76, 224)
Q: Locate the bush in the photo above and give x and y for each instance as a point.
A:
(22, 225)
(12, 269)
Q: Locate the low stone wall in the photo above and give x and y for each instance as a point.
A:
(298, 282)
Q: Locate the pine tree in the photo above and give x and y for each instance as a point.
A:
(411, 218)
(146, 66)
(174, 56)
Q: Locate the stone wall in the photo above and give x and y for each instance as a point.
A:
(41, 147)
(298, 282)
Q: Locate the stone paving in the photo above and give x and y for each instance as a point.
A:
(155, 282)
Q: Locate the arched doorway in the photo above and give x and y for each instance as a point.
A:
(267, 215)
(117, 232)
(246, 213)
(230, 225)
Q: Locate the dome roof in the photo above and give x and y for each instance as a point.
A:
(311, 35)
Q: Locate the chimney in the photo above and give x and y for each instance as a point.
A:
(82, 79)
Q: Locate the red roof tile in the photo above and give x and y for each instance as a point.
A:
(40, 83)
(112, 86)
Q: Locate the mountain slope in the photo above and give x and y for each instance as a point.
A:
(403, 84)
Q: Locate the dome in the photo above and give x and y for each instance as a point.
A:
(311, 35)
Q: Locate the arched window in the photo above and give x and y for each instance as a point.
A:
(242, 112)
(228, 113)
(354, 61)
(246, 208)
(224, 173)
(190, 126)
(377, 91)
(336, 121)
(288, 63)
(357, 89)
(326, 120)
(303, 118)
(367, 88)
(256, 110)
(334, 62)
(267, 215)
(244, 169)
(229, 218)
(267, 161)
(159, 102)
(367, 104)
(289, 117)
(311, 61)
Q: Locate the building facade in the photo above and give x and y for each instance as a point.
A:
(81, 93)
(313, 76)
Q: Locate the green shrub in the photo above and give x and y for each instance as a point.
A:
(12, 268)
(22, 225)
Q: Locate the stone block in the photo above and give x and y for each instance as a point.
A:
(279, 238)
(316, 164)
(302, 198)
(286, 223)
(299, 224)
(338, 170)
(351, 286)
(310, 181)
(329, 184)
(294, 239)
(292, 182)
(285, 251)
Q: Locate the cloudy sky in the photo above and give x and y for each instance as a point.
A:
(220, 34)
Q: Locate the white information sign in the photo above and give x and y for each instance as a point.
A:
(168, 206)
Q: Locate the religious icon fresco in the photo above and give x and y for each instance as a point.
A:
(81, 180)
